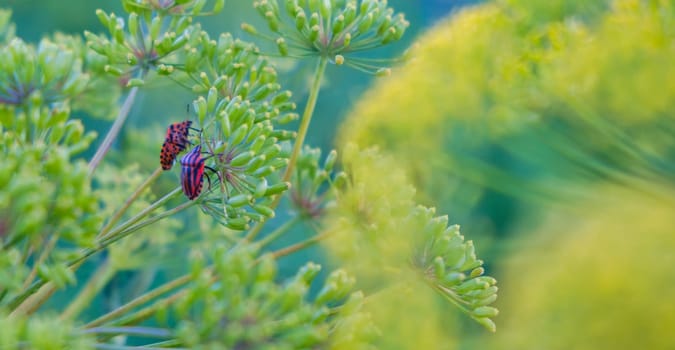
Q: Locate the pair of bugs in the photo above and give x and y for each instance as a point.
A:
(192, 164)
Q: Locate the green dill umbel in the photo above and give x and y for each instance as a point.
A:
(82, 241)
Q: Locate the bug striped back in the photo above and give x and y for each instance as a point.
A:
(192, 173)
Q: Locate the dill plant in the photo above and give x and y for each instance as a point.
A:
(60, 214)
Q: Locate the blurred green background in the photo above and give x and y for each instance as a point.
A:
(545, 129)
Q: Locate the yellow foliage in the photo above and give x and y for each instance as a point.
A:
(598, 277)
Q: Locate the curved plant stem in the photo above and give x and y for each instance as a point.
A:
(300, 139)
(114, 131)
(118, 215)
(165, 288)
(279, 231)
(300, 245)
(36, 294)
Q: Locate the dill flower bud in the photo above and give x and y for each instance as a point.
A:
(333, 29)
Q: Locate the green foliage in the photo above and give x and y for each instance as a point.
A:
(599, 282)
(245, 307)
(48, 333)
(58, 212)
(333, 29)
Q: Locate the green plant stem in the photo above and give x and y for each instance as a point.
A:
(300, 245)
(147, 312)
(114, 131)
(98, 280)
(118, 215)
(165, 288)
(148, 332)
(300, 139)
(43, 256)
(279, 231)
(138, 217)
(33, 295)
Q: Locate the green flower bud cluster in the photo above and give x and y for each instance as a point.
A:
(331, 28)
(41, 333)
(242, 104)
(450, 266)
(48, 74)
(146, 41)
(313, 185)
(37, 215)
(377, 231)
(246, 308)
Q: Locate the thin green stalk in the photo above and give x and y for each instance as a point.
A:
(300, 245)
(29, 300)
(300, 139)
(118, 215)
(279, 231)
(43, 256)
(114, 131)
(145, 212)
(98, 280)
(165, 288)
(147, 332)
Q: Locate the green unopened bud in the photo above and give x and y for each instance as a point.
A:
(487, 323)
(290, 6)
(237, 224)
(242, 158)
(277, 188)
(365, 23)
(453, 278)
(272, 21)
(200, 108)
(133, 25)
(331, 158)
(239, 200)
(325, 8)
(476, 272)
(300, 19)
(260, 188)
(472, 284)
(258, 143)
(339, 24)
(113, 70)
(249, 28)
(155, 27)
(264, 210)
(211, 100)
(133, 82)
(192, 60)
(267, 269)
(314, 33)
(349, 13)
(264, 171)
(103, 18)
(313, 5)
(308, 272)
(347, 40)
(255, 163)
(282, 46)
(339, 60)
(485, 311)
(439, 267)
(239, 134)
(485, 301)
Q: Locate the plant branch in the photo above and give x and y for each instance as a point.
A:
(300, 245)
(114, 131)
(98, 280)
(165, 288)
(118, 215)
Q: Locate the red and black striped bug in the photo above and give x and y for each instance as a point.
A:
(176, 141)
(192, 172)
